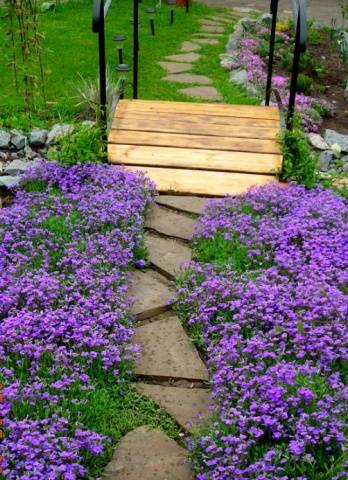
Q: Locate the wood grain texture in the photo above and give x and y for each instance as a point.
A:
(194, 159)
(201, 182)
(166, 125)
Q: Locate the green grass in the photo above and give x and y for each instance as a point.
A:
(70, 51)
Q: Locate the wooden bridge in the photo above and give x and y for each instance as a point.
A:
(197, 148)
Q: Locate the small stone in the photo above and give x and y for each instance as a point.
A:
(325, 160)
(18, 140)
(88, 123)
(57, 131)
(240, 77)
(189, 47)
(188, 78)
(229, 62)
(188, 406)
(332, 137)
(337, 150)
(175, 67)
(38, 137)
(29, 153)
(265, 19)
(152, 293)
(206, 93)
(212, 29)
(170, 223)
(3, 156)
(184, 57)
(5, 139)
(344, 161)
(248, 23)
(47, 6)
(317, 141)
(148, 454)
(166, 351)
(9, 181)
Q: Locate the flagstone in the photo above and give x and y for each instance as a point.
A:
(152, 293)
(189, 203)
(176, 67)
(206, 93)
(207, 41)
(188, 406)
(189, 47)
(148, 454)
(167, 254)
(188, 78)
(170, 223)
(184, 57)
(212, 29)
(166, 351)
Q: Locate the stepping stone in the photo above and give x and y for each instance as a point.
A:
(167, 254)
(151, 292)
(188, 203)
(211, 29)
(148, 454)
(188, 406)
(207, 41)
(170, 223)
(206, 93)
(220, 19)
(188, 78)
(189, 47)
(207, 35)
(166, 351)
(209, 23)
(184, 57)
(174, 67)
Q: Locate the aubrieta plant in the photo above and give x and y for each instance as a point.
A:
(67, 243)
(268, 293)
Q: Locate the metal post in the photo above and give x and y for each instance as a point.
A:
(152, 24)
(295, 72)
(172, 17)
(274, 12)
(135, 47)
(120, 55)
(187, 6)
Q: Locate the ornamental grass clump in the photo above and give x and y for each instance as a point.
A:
(67, 243)
(268, 295)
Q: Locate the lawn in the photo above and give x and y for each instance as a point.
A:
(71, 53)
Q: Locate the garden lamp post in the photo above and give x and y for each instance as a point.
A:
(139, 22)
(122, 70)
(151, 13)
(187, 4)
(119, 40)
(172, 4)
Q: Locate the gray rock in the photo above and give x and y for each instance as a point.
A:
(325, 160)
(239, 76)
(18, 140)
(88, 123)
(317, 141)
(248, 23)
(9, 181)
(38, 137)
(346, 92)
(5, 139)
(344, 161)
(252, 90)
(265, 19)
(17, 166)
(57, 131)
(332, 137)
(3, 156)
(47, 6)
(29, 153)
(229, 62)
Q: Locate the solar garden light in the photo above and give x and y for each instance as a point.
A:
(119, 40)
(122, 70)
(172, 4)
(151, 13)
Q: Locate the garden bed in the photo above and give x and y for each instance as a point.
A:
(267, 298)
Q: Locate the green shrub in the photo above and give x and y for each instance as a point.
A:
(300, 161)
(84, 145)
(304, 83)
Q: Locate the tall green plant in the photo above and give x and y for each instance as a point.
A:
(25, 42)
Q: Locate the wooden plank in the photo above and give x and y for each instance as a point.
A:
(194, 159)
(193, 141)
(201, 182)
(252, 111)
(169, 126)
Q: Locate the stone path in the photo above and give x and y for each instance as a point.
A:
(170, 369)
(179, 66)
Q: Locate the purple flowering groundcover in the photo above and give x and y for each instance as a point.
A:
(267, 299)
(67, 243)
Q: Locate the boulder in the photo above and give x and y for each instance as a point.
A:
(240, 77)
(265, 19)
(18, 140)
(326, 158)
(317, 141)
(16, 167)
(332, 137)
(5, 139)
(9, 181)
(58, 130)
(38, 137)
